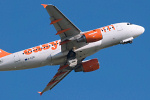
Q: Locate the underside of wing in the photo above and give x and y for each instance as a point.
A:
(61, 23)
(67, 31)
(61, 74)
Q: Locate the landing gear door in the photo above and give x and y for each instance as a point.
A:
(119, 28)
(16, 57)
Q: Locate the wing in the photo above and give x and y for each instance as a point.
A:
(67, 31)
(62, 72)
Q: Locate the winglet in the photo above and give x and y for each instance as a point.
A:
(44, 5)
(40, 93)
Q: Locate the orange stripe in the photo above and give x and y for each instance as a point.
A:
(62, 31)
(108, 28)
(104, 29)
(55, 21)
(113, 26)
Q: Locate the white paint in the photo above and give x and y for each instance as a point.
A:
(19, 60)
(43, 57)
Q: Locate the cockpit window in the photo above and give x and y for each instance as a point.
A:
(129, 24)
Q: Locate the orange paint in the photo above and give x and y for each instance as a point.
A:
(104, 29)
(93, 36)
(113, 26)
(45, 46)
(54, 45)
(28, 51)
(37, 49)
(55, 21)
(108, 28)
(64, 42)
(44, 5)
(62, 31)
(3, 53)
(90, 65)
(40, 93)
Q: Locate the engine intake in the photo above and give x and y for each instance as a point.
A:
(91, 36)
(88, 66)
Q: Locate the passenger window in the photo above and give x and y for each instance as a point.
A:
(106, 29)
(111, 27)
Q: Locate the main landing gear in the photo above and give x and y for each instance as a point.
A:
(71, 59)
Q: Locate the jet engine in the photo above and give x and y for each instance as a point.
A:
(91, 36)
(88, 66)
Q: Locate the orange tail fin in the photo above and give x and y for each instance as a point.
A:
(3, 53)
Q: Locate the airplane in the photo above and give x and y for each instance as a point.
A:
(70, 51)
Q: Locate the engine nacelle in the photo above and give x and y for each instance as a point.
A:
(88, 66)
(91, 36)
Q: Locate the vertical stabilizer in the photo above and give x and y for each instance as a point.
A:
(3, 53)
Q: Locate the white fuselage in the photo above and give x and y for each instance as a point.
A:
(52, 55)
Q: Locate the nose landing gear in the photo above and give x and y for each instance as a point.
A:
(126, 41)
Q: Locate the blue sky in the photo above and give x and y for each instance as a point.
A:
(125, 69)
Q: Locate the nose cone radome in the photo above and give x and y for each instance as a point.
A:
(140, 30)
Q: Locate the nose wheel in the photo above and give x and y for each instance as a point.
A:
(130, 42)
(126, 41)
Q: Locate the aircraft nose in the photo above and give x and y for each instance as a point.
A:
(139, 30)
